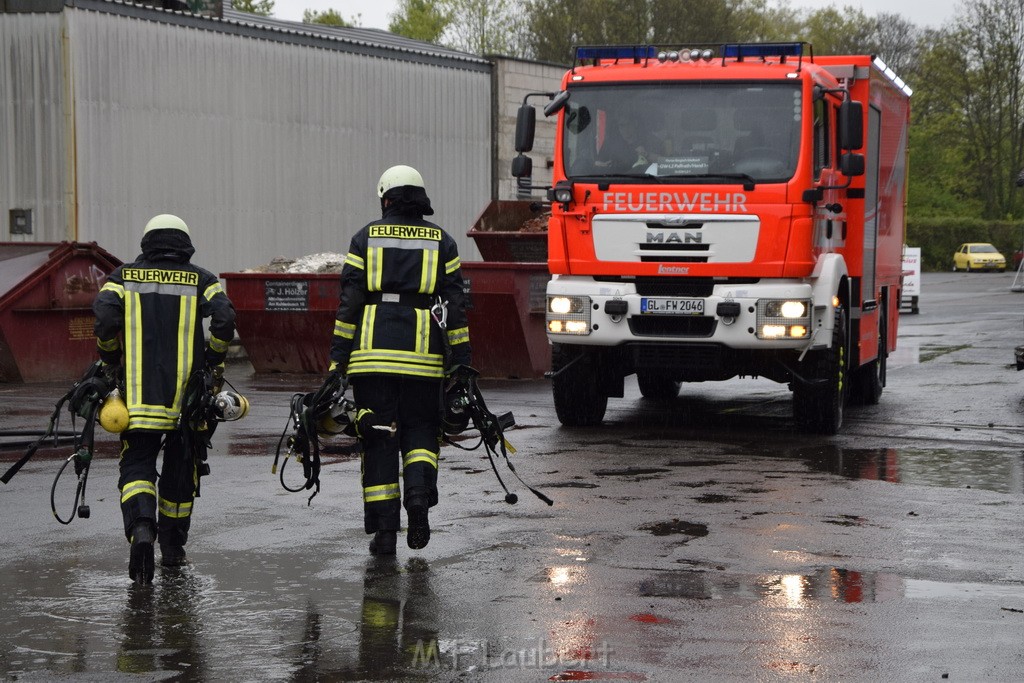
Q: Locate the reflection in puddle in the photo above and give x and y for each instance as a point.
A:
(998, 471)
(828, 584)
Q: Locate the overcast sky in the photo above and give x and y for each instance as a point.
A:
(374, 13)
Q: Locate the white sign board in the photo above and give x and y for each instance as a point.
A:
(911, 271)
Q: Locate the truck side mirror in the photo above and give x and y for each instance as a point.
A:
(522, 166)
(851, 125)
(526, 124)
(557, 103)
(851, 164)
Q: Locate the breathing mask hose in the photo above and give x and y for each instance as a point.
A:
(82, 459)
(89, 387)
(485, 419)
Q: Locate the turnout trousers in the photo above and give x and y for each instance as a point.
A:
(169, 507)
(413, 405)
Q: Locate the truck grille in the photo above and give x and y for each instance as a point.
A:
(672, 326)
(678, 286)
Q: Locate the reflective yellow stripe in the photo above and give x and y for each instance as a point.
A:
(452, 265)
(174, 510)
(373, 494)
(369, 318)
(212, 291)
(354, 261)
(218, 345)
(374, 268)
(459, 335)
(109, 345)
(186, 329)
(395, 369)
(134, 488)
(161, 424)
(113, 287)
(344, 330)
(397, 355)
(133, 351)
(428, 278)
(422, 331)
(420, 455)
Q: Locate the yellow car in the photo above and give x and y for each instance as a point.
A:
(978, 256)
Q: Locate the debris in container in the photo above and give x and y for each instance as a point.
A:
(326, 262)
(538, 224)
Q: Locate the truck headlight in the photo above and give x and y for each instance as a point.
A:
(568, 314)
(783, 318)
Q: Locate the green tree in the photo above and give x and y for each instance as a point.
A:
(835, 32)
(420, 20)
(264, 8)
(485, 26)
(973, 104)
(329, 17)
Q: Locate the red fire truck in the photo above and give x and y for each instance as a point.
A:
(719, 212)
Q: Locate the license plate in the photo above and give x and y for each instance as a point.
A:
(672, 306)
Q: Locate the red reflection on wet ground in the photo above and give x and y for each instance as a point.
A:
(647, 618)
(575, 675)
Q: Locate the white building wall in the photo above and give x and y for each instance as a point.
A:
(33, 144)
(264, 148)
(513, 80)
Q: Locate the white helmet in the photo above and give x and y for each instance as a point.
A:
(398, 176)
(166, 221)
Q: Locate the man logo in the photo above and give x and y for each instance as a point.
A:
(675, 238)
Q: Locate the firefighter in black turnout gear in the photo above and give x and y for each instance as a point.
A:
(158, 304)
(394, 353)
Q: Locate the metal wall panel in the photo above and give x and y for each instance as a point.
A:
(264, 148)
(33, 168)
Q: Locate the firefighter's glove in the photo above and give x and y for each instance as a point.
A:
(367, 424)
(110, 373)
(214, 358)
(463, 374)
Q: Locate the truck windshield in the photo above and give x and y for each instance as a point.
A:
(696, 132)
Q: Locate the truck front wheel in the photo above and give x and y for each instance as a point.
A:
(579, 401)
(818, 407)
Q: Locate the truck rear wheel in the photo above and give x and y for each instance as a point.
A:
(818, 407)
(657, 388)
(579, 401)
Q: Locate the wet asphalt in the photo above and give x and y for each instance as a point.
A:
(699, 540)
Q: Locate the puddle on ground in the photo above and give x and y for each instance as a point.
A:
(828, 584)
(999, 471)
(630, 472)
(676, 527)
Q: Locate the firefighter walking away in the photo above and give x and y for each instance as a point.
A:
(158, 305)
(388, 346)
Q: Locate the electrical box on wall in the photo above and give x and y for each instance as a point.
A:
(21, 221)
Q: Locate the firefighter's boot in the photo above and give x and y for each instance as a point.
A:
(416, 507)
(172, 555)
(140, 558)
(384, 543)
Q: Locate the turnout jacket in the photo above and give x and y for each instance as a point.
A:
(395, 269)
(158, 303)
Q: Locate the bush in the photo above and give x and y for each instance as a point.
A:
(939, 237)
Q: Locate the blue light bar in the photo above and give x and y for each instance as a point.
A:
(617, 52)
(763, 50)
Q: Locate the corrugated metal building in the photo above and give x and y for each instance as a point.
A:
(267, 137)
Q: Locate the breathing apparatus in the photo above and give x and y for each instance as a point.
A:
(97, 398)
(462, 403)
(321, 413)
(206, 403)
(83, 400)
